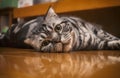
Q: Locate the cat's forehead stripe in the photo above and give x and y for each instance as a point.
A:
(43, 35)
(49, 28)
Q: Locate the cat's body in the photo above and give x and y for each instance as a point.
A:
(63, 34)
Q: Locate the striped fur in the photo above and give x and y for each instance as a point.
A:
(62, 34)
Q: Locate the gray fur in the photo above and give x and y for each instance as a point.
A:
(61, 34)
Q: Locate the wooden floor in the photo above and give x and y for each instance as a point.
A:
(27, 63)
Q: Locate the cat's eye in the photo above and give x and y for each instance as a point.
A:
(58, 27)
(45, 43)
(43, 24)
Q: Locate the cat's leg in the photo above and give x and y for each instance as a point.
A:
(109, 44)
(105, 35)
(114, 44)
(109, 41)
(99, 32)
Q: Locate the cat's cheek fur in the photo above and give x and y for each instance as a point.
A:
(32, 43)
(68, 47)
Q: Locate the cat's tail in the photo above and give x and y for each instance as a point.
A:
(2, 35)
(3, 40)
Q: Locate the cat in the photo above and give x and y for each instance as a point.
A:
(52, 33)
(64, 34)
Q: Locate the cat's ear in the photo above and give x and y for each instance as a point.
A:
(50, 13)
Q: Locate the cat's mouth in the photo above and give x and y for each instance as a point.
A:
(48, 46)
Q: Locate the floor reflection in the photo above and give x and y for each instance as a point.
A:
(60, 65)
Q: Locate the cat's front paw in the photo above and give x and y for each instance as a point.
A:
(65, 39)
(67, 48)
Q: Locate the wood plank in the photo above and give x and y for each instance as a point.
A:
(65, 6)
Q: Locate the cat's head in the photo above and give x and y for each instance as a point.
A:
(54, 34)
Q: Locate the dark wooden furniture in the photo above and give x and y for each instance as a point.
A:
(9, 13)
(63, 6)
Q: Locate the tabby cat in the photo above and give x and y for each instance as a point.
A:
(52, 33)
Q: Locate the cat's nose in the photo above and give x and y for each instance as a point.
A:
(56, 37)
